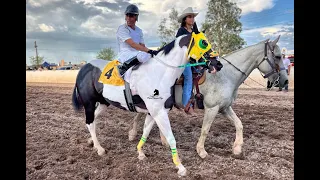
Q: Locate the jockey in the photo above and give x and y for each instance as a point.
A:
(132, 49)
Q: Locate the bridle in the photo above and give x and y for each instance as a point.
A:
(275, 66)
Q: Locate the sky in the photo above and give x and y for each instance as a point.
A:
(75, 30)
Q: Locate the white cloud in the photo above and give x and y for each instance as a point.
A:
(270, 31)
(96, 25)
(286, 33)
(46, 28)
(249, 6)
(39, 3)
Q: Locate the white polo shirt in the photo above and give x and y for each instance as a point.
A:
(125, 32)
(286, 63)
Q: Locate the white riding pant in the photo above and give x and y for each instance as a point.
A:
(141, 56)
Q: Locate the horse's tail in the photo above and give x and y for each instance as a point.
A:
(77, 105)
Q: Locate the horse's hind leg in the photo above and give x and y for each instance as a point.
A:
(133, 130)
(163, 140)
(231, 115)
(99, 108)
(91, 124)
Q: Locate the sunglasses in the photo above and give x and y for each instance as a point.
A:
(132, 15)
(190, 16)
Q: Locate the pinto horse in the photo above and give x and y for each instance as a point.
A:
(149, 85)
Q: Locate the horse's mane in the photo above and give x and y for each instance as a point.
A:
(167, 48)
(243, 48)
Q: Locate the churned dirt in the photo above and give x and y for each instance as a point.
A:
(57, 140)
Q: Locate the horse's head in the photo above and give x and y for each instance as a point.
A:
(271, 65)
(199, 49)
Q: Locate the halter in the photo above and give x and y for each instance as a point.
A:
(275, 67)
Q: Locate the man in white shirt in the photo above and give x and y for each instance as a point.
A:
(287, 65)
(132, 49)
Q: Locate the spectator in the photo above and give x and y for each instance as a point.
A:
(287, 65)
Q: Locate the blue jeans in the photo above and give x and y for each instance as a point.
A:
(187, 87)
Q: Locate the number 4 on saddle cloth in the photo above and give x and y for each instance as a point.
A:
(110, 74)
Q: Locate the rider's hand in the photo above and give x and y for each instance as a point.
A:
(152, 52)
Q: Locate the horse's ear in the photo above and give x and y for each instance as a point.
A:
(195, 28)
(274, 42)
(204, 31)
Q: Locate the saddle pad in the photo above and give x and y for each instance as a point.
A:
(110, 74)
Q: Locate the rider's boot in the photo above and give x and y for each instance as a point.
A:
(126, 65)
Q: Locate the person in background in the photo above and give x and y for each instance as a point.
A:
(287, 65)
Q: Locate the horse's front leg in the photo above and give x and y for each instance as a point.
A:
(148, 124)
(209, 115)
(162, 119)
(133, 130)
(231, 115)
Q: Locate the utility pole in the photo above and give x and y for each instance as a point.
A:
(35, 46)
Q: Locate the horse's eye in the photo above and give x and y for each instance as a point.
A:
(204, 42)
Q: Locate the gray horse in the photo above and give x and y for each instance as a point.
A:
(220, 90)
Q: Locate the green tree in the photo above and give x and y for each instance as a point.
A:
(36, 61)
(223, 27)
(106, 54)
(168, 27)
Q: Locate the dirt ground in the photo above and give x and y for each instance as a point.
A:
(57, 140)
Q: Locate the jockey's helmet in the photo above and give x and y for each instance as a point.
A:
(132, 9)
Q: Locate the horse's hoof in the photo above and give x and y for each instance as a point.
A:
(202, 153)
(182, 170)
(237, 150)
(131, 138)
(101, 152)
(142, 156)
(90, 142)
(238, 155)
(132, 135)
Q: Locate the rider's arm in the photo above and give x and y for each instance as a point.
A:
(123, 34)
(136, 46)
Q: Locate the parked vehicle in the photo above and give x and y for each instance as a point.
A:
(291, 59)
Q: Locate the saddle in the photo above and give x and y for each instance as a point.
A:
(195, 74)
(198, 78)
